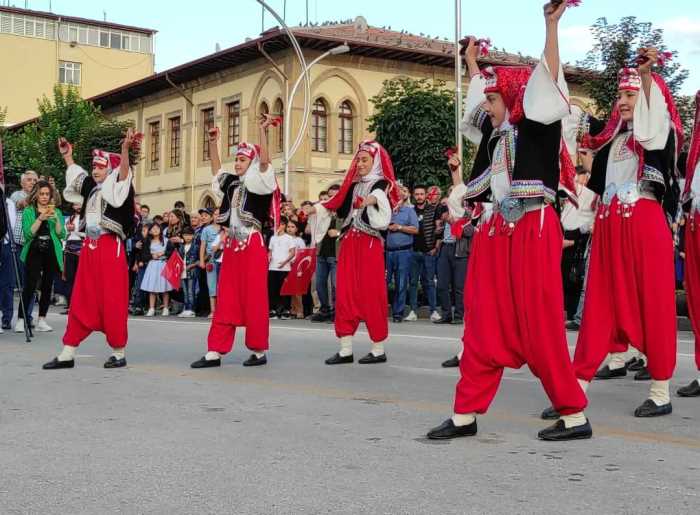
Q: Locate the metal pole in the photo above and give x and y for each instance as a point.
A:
(307, 89)
(458, 76)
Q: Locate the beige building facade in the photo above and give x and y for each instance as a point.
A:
(39, 50)
(229, 89)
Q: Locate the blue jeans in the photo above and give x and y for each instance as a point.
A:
(7, 283)
(325, 268)
(188, 292)
(423, 267)
(398, 267)
(139, 299)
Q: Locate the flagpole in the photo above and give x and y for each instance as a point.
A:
(458, 77)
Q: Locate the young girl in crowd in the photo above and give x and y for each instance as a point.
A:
(293, 230)
(153, 280)
(281, 255)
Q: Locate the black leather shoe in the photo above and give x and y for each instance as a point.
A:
(443, 321)
(630, 363)
(371, 358)
(337, 359)
(650, 409)
(642, 375)
(550, 414)
(398, 320)
(54, 364)
(692, 390)
(451, 363)
(206, 363)
(637, 365)
(254, 361)
(113, 362)
(558, 432)
(458, 321)
(606, 373)
(320, 317)
(572, 326)
(448, 430)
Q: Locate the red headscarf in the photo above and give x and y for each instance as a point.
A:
(510, 82)
(694, 152)
(382, 163)
(252, 152)
(615, 123)
(108, 160)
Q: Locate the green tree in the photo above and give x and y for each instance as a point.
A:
(414, 120)
(33, 147)
(615, 47)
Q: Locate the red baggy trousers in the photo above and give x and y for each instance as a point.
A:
(361, 293)
(242, 297)
(100, 299)
(516, 316)
(630, 290)
(692, 276)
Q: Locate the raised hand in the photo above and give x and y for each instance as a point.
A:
(65, 148)
(213, 134)
(128, 139)
(553, 11)
(266, 121)
(651, 56)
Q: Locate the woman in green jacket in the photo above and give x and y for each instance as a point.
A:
(42, 253)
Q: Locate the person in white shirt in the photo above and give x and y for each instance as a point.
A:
(71, 253)
(282, 247)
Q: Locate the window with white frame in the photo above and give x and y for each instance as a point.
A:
(69, 73)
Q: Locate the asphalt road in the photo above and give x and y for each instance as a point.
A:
(297, 436)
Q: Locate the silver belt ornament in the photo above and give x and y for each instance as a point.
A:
(628, 194)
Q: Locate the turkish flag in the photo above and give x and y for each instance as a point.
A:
(299, 277)
(173, 270)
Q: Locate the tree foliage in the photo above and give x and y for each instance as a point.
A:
(415, 121)
(615, 46)
(33, 147)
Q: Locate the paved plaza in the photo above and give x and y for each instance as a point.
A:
(297, 436)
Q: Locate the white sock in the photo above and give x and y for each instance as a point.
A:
(584, 385)
(377, 349)
(574, 420)
(211, 356)
(459, 354)
(345, 346)
(67, 354)
(658, 392)
(119, 353)
(259, 354)
(698, 379)
(460, 420)
(617, 361)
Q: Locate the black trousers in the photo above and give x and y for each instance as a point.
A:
(202, 300)
(451, 272)
(278, 303)
(70, 270)
(41, 269)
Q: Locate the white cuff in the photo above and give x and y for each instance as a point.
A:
(651, 119)
(470, 107)
(114, 191)
(319, 222)
(260, 183)
(75, 175)
(380, 214)
(455, 201)
(217, 182)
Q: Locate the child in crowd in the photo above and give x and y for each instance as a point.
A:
(293, 230)
(281, 253)
(190, 255)
(153, 280)
(206, 260)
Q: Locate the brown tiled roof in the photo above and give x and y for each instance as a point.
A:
(73, 19)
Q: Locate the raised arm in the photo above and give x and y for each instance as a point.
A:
(265, 123)
(126, 145)
(553, 12)
(214, 159)
(652, 55)
(66, 150)
(470, 58)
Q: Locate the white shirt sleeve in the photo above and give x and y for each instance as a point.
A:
(651, 119)
(217, 181)
(380, 214)
(570, 127)
(114, 191)
(546, 101)
(319, 222)
(455, 201)
(75, 174)
(472, 103)
(261, 183)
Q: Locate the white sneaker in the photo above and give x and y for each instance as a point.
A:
(412, 317)
(165, 312)
(435, 316)
(150, 313)
(187, 314)
(19, 326)
(60, 300)
(43, 327)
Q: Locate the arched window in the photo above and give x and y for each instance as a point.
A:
(208, 203)
(345, 128)
(279, 111)
(319, 127)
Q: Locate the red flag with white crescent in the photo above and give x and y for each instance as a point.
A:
(299, 277)
(172, 272)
